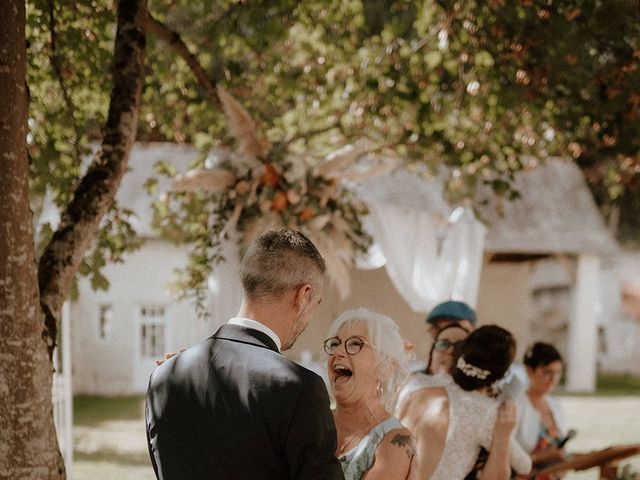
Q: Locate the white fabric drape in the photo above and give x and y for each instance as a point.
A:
(432, 252)
(424, 268)
(429, 259)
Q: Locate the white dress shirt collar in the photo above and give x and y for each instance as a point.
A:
(255, 325)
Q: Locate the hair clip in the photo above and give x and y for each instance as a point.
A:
(471, 370)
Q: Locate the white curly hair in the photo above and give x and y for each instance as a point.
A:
(384, 336)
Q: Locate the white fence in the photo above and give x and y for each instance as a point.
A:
(61, 392)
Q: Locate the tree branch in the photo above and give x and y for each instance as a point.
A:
(96, 191)
(56, 63)
(174, 40)
(311, 133)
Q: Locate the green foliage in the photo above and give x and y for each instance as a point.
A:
(577, 63)
(115, 238)
(68, 57)
(70, 50)
(398, 70)
(197, 219)
(474, 86)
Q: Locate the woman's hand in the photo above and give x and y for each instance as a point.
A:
(548, 455)
(497, 466)
(505, 421)
(167, 356)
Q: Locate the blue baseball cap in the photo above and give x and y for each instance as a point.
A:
(452, 310)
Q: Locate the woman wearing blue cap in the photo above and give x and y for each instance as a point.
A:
(448, 313)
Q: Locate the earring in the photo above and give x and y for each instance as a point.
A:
(379, 389)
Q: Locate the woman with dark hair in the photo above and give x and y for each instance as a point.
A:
(444, 349)
(461, 417)
(442, 355)
(541, 429)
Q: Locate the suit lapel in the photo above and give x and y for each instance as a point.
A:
(237, 333)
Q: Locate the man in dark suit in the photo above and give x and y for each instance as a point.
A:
(232, 407)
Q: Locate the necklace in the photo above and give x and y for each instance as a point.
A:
(354, 435)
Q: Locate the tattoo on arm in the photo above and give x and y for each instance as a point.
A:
(405, 442)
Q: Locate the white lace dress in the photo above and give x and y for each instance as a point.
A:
(471, 420)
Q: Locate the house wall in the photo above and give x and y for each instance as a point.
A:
(108, 367)
(620, 335)
(530, 300)
(504, 299)
(552, 290)
(371, 289)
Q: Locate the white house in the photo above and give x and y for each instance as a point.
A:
(117, 334)
(551, 239)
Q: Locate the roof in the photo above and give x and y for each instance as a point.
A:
(555, 213)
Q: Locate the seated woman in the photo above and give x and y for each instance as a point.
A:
(541, 426)
(454, 421)
(366, 365)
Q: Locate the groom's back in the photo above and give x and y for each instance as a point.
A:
(223, 410)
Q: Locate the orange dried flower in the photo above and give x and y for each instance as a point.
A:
(270, 176)
(242, 187)
(279, 201)
(307, 213)
(571, 59)
(293, 197)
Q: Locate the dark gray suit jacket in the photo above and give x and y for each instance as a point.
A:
(233, 408)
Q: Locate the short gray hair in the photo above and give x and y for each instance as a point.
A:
(384, 337)
(279, 261)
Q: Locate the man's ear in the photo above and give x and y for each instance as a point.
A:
(302, 297)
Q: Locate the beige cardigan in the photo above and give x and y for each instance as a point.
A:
(528, 426)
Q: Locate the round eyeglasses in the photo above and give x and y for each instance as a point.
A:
(352, 345)
(446, 344)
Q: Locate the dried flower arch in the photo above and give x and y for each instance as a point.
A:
(259, 186)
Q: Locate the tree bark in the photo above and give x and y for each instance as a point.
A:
(96, 191)
(174, 40)
(28, 444)
(28, 315)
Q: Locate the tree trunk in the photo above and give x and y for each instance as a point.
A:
(97, 189)
(28, 445)
(28, 316)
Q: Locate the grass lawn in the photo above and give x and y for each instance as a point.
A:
(618, 385)
(110, 444)
(109, 439)
(610, 418)
(602, 421)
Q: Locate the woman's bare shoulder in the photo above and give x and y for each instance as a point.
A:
(394, 456)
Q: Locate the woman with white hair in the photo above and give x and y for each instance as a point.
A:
(366, 366)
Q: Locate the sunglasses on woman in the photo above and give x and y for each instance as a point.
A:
(446, 344)
(352, 345)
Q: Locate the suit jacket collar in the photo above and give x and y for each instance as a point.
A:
(256, 325)
(236, 333)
